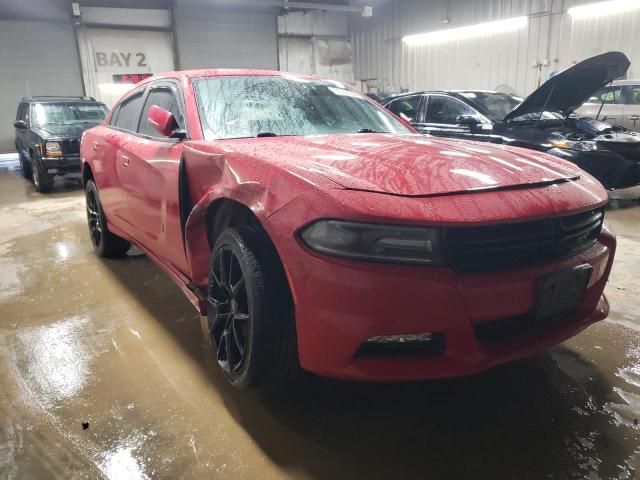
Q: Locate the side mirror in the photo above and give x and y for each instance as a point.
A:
(164, 122)
(21, 124)
(467, 120)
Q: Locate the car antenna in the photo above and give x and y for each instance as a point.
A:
(544, 107)
(604, 99)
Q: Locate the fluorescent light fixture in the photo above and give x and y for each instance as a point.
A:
(604, 8)
(464, 33)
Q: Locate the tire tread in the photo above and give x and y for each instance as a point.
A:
(274, 357)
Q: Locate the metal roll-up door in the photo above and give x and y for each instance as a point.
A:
(36, 58)
(209, 39)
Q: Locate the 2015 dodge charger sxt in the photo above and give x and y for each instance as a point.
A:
(317, 230)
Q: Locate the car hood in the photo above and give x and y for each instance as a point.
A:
(410, 165)
(64, 131)
(570, 88)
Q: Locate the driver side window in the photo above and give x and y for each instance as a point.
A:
(164, 98)
(407, 107)
(446, 110)
(608, 95)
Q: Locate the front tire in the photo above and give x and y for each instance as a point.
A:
(104, 242)
(41, 180)
(249, 310)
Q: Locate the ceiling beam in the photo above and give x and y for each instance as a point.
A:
(286, 4)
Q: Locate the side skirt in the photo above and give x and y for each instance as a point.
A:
(193, 293)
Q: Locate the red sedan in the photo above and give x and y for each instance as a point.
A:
(318, 232)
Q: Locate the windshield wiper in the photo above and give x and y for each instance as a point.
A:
(369, 130)
(266, 134)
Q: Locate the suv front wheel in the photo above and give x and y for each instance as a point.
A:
(41, 179)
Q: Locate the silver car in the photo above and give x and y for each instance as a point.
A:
(621, 105)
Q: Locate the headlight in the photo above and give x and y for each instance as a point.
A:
(582, 146)
(52, 148)
(382, 243)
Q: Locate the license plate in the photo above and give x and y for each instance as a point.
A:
(560, 292)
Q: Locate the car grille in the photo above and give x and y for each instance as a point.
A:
(516, 245)
(71, 146)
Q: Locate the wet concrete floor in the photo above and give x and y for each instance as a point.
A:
(115, 344)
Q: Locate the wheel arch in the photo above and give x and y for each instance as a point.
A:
(204, 224)
(219, 190)
(87, 174)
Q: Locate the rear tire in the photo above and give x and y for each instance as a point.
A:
(104, 242)
(250, 311)
(25, 167)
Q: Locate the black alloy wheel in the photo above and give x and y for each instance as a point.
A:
(231, 325)
(93, 218)
(104, 242)
(250, 311)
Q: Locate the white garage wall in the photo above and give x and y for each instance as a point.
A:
(500, 60)
(209, 38)
(36, 58)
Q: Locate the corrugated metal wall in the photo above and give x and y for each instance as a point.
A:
(36, 58)
(503, 61)
(209, 38)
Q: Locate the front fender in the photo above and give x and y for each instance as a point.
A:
(212, 174)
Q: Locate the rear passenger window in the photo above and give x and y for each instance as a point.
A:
(129, 113)
(164, 98)
(406, 107)
(114, 116)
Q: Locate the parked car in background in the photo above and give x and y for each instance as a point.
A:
(377, 97)
(315, 230)
(544, 121)
(617, 104)
(48, 131)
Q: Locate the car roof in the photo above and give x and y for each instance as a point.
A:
(626, 82)
(54, 99)
(446, 92)
(225, 72)
(459, 94)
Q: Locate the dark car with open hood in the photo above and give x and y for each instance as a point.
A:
(544, 121)
(48, 131)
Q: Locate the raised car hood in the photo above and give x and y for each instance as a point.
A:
(63, 131)
(570, 88)
(410, 165)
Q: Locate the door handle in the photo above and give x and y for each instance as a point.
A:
(95, 146)
(125, 161)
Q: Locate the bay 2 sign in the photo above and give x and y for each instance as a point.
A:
(121, 59)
